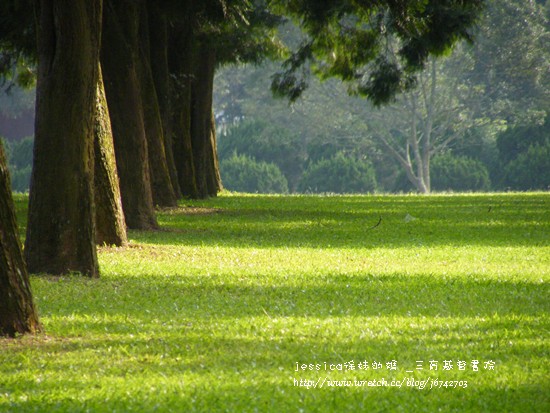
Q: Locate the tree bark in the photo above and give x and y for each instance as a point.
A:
(202, 136)
(61, 230)
(161, 185)
(110, 223)
(158, 35)
(17, 311)
(215, 176)
(119, 53)
(181, 68)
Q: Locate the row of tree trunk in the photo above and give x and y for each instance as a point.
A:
(123, 124)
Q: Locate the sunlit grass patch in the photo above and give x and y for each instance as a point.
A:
(213, 312)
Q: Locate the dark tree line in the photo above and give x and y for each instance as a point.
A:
(124, 118)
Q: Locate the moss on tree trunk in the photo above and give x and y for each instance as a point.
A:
(161, 184)
(118, 59)
(17, 311)
(61, 232)
(110, 223)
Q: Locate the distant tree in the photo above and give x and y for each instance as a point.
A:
(511, 59)
(426, 121)
(17, 311)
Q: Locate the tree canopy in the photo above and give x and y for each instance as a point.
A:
(377, 47)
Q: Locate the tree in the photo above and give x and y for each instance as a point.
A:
(119, 60)
(161, 183)
(109, 216)
(511, 57)
(424, 122)
(61, 233)
(353, 41)
(211, 34)
(17, 311)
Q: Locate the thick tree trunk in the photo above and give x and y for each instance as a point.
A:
(158, 32)
(181, 67)
(202, 138)
(60, 233)
(17, 311)
(161, 185)
(110, 223)
(118, 57)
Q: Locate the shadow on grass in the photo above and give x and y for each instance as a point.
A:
(359, 222)
(256, 372)
(252, 396)
(198, 297)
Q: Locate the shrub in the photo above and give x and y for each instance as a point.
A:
(265, 143)
(20, 179)
(244, 174)
(530, 170)
(19, 157)
(458, 173)
(339, 174)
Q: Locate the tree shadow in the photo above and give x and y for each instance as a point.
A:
(358, 222)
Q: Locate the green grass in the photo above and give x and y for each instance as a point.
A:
(213, 312)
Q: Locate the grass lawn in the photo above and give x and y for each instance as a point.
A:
(301, 304)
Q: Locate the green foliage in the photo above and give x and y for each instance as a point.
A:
(21, 153)
(265, 143)
(459, 173)
(523, 155)
(349, 40)
(529, 170)
(518, 139)
(340, 174)
(243, 174)
(20, 156)
(17, 42)
(212, 313)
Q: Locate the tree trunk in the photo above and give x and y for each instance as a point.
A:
(215, 176)
(158, 32)
(161, 185)
(110, 223)
(181, 67)
(17, 311)
(119, 53)
(61, 230)
(202, 138)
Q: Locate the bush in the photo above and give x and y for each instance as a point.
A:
(20, 179)
(19, 156)
(265, 143)
(339, 174)
(22, 152)
(242, 173)
(530, 170)
(458, 173)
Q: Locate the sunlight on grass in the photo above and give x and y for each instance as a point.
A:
(213, 312)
